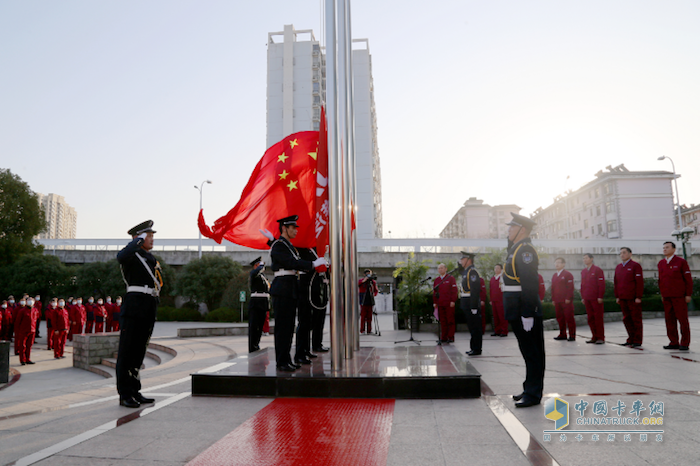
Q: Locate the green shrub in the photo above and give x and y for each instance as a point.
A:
(171, 314)
(223, 314)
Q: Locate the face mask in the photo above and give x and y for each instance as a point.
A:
(53, 304)
(80, 301)
(12, 301)
(37, 298)
(30, 302)
(99, 302)
(4, 306)
(61, 303)
(119, 301)
(109, 300)
(22, 303)
(91, 301)
(75, 303)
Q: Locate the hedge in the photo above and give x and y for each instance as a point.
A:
(171, 314)
(223, 314)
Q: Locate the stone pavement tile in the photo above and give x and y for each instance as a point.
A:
(17, 445)
(464, 419)
(424, 454)
(106, 446)
(58, 460)
(474, 435)
(414, 435)
(172, 449)
(457, 454)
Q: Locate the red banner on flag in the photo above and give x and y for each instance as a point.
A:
(285, 182)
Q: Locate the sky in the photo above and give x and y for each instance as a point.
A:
(124, 106)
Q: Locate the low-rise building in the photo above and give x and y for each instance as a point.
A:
(478, 220)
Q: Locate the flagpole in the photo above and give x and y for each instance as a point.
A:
(335, 232)
(354, 304)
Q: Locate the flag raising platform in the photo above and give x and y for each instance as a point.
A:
(428, 372)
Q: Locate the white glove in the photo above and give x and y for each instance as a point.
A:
(261, 264)
(528, 322)
(319, 261)
(143, 236)
(474, 311)
(266, 233)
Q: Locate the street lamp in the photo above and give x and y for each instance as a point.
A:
(200, 209)
(675, 181)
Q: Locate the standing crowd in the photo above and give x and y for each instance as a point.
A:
(19, 321)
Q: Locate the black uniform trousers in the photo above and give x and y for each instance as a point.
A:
(257, 310)
(318, 321)
(285, 312)
(136, 323)
(304, 328)
(474, 324)
(531, 346)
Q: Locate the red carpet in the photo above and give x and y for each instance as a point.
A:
(308, 431)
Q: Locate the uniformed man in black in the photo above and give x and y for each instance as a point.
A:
(523, 308)
(470, 289)
(259, 303)
(319, 294)
(286, 264)
(303, 352)
(141, 273)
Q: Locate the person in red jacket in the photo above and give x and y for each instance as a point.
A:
(49, 316)
(445, 294)
(25, 326)
(368, 290)
(592, 292)
(629, 289)
(38, 306)
(5, 315)
(563, 299)
(482, 303)
(60, 329)
(100, 316)
(116, 314)
(500, 324)
(109, 307)
(82, 316)
(676, 287)
(90, 314)
(542, 290)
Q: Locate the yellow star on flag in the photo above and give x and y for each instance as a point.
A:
(313, 155)
(282, 158)
(292, 185)
(293, 143)
(283, 175)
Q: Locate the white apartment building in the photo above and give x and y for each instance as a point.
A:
(61, 219)
(617, 204)
(295, 93)
(478, 220)
(690, 216)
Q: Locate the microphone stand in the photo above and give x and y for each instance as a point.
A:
(410, 295)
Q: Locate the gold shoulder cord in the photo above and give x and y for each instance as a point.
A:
(515, 273)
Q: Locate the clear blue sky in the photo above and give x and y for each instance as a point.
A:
(123, 106)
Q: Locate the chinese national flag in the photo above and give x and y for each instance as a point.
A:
(283, 183)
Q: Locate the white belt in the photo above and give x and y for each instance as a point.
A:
(512, 288)
(259, 295)
(282, 273)
(465, 295)
(142, 289)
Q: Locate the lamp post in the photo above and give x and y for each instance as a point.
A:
(200, 187)
(675, 182)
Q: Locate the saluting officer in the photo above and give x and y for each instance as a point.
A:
(470, 301)
(141, 272)
(259, 303)
(523, 307)
(286, 264)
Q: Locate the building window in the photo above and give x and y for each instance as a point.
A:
(597, 192)
(600, 229)
(585, 223)
(589, 194)
(609, 207)
(592, 231)
(607, 188)
(597, 211)
(612, 226)
(591, 212)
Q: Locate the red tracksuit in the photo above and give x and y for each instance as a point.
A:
(100, 317)
(562, 291)
(592, 289)
(445, 294)
(77, 320)
(49, 315)
(25, 326)
(109, 308)
(629, 285)
(542, 289)
(6, 317)
(675, 283)
(116, 314)
(60, 331)
(500, 324)
(366, 310)
(90, 317)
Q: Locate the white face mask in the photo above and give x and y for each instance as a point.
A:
(61, 303)
(37, 298)
(99, 301)
(91, 300)
(109, 300)
(30, 302)
(80, 301)
(12, 301)
(4, 306)
(22, 303)
(119, 301)
(74, 303)
(53, 304)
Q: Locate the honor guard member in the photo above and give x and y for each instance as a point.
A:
(286, 264)
(142, 276)
(523, 307)
(259, 303)
(470, 301)
(303, 351)
(319, 294)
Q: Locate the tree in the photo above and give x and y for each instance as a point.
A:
(98, 279)
(36, 274)
(206, 279)
(486, 262)
(21, 218)
(413, 288)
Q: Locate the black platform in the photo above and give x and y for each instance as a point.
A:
(428, 372)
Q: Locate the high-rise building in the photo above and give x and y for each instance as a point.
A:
(296, 90)
(478, 220)
(61, 219)
(617, 204)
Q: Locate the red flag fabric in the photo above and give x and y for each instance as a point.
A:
(322, 205)
(283, 183)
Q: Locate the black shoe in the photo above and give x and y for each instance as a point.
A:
(311, 355)
(451, 341)
(519, 397)
(591, 341)
(526, 403)
(503, 335)
(295, 365)
(559, 338)
(129, 402)
(636, 345)
(572, 338)
(682, 348)
(321, 349)
(672, 347)
(23, 363)
(626, 344)
(143, 400)
(495, 335)
(286, 368)
(304, 360)
(30, 362)
(473, 353)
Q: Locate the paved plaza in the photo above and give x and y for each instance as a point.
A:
(55, 414)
